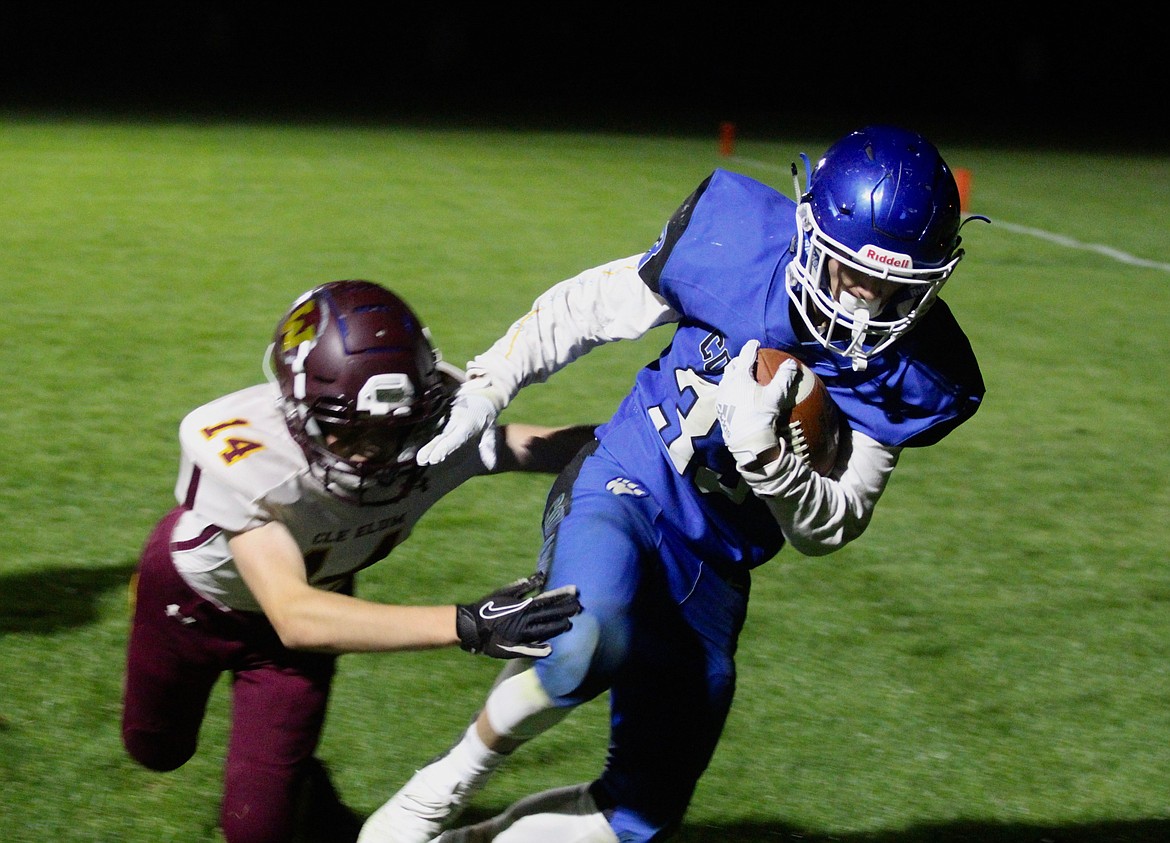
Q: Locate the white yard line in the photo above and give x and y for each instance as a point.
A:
(1061, 240)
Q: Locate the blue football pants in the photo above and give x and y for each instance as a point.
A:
(658, 630)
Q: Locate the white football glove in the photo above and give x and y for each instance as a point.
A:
(476, 406)
(748, 412)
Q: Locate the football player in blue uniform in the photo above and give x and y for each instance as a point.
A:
(688, 488)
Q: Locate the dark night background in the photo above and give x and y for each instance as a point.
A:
(644, 69)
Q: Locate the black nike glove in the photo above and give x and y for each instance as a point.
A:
(512, 623)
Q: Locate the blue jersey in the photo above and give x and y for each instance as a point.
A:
(720, 263)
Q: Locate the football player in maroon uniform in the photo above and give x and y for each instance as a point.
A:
(286, 489)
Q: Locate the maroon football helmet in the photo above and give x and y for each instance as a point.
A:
(362, 387)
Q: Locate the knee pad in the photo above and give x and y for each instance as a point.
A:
(519, 708)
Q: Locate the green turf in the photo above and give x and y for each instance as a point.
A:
(990, 662)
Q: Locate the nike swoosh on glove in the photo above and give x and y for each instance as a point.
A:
(513, 623)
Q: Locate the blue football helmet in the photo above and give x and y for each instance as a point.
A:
(883, 202)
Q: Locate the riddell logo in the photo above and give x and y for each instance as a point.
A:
(879, 256)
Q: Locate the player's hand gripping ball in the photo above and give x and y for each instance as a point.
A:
(812, 428)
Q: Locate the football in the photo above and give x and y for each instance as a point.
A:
(812, 427)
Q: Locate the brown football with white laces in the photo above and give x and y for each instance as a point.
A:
(812, 428)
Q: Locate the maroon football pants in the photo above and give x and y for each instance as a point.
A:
(179, 646)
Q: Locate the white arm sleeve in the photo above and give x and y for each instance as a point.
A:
(820, 514)
(607, 303)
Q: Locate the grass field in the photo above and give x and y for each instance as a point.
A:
(990, 662)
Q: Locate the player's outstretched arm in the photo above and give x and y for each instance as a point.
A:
(510, 622)
(604, 304)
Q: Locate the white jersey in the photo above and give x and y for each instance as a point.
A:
(241, 468)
